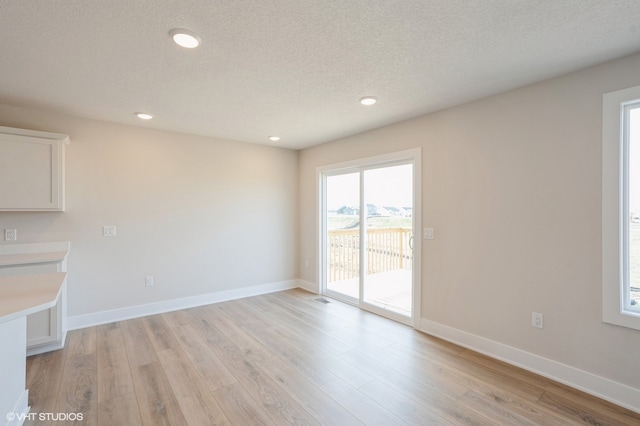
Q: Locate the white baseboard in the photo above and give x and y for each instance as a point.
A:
(105, 317)
(19, 413)
(615, 392)
(308, 285)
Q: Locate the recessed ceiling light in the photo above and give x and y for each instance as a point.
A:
(274, 138)
(185, 38)
(144, 116)
(368, 100)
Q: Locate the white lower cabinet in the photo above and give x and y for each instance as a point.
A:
(46, 330)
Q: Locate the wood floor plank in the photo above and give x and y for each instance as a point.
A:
(242, 315)
(81, 342)
(240, 408)
(296, 358)
(176, 318)
(494, 364)
(278, 404)
(212, 370)
(243, 340)
(580, 398)
(582, 411)
(420, 387)
(401, 405)
(400, 376)
(314, 345)
(78, 391)
(427, 346)
(382, 328)
(43, 380)
(475, 376)
(196, 403)
(156, 400)
(121, 410)
(287, 321)
(204, 323)
(451, 370)
(286, 358)
(303, 322)
(114, 372)
(159, 332)
(184, 378)
(140, 349)
(470, 374)
(309, 396)
(360, 405)
(203, 409)
(510, 411)
(345, 314)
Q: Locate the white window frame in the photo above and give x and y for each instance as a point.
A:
(615, 210)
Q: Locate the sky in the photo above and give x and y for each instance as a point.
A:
(634, 161)
(386, 186)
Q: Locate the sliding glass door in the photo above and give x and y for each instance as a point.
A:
(343, 235)
(367, 228)
(388, 198)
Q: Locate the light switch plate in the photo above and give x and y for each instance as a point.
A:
(429, 234)
(109, 231)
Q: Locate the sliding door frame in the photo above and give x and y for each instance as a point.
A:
(412, 156)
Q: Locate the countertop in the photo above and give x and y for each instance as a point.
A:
(27, 294)
(28, 258)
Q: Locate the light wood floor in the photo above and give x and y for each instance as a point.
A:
(286, 358)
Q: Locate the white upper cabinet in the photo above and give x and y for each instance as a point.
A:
(31, 170)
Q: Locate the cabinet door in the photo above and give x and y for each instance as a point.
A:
(31, 173)
(42, 327)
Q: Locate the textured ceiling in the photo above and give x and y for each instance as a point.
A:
(293, 68)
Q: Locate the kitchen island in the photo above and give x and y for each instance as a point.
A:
(21, 296)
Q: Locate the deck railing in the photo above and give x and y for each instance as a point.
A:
(387, 249)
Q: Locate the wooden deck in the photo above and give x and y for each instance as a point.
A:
(286, 358)
(388, 290)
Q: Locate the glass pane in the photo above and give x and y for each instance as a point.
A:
(633, 288)
(343, 234)
(388, 194)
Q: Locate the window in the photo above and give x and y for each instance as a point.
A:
(621, 208)
(631, 225)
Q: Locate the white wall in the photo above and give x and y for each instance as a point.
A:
(512, 186)
(201, 215)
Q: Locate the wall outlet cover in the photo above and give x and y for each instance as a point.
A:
(537, 320)
(10, 234)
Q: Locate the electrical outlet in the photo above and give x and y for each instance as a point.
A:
(537, 320)
(10, 234)
(109, 231)
(148, 281)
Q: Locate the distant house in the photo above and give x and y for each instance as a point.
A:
(397, 211)
(346, 210)
(372, 210)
